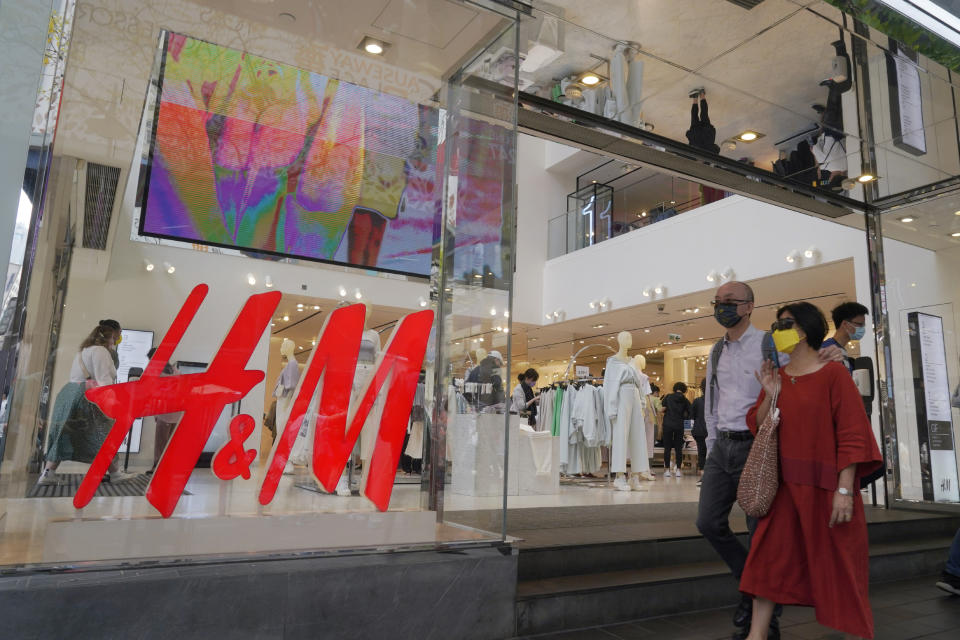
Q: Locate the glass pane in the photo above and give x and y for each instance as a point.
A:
(231, 194)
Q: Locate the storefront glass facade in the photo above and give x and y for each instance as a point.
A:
(230, 189)
(228, 186)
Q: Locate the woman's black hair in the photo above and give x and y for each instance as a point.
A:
(809, 319)
(531, 373)
(679, 386)
(703, 385)
(521, 377)
(653, 388)
(111, 324)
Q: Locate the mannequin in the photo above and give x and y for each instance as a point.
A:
(622, 401)
(649, 419)
(283, 390)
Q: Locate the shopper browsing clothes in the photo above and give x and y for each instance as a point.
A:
(78, 428)
(811, 548)
(524, 399)
(676, 409)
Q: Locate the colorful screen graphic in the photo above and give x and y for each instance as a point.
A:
(260, 156)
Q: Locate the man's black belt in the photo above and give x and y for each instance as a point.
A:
(735, 435)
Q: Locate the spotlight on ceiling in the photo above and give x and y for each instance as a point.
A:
(750, 136)
(169, 267)
(251, 279)
(148, 265)
(866, 177)
(907, 219)
(590, 79)
(268, 281)
(373, 46)
(793, 256)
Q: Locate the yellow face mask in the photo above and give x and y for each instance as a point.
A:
(786, 340)
(119, 340)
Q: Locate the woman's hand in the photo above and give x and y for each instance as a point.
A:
(842, 509)
(767, 376)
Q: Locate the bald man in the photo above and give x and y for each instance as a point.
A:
(727, 401)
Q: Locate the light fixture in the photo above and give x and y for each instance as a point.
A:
(422, 301)
(342, 292)
(646, 293)
(955, 234)
(506, 314)
(590, 79)
(357, 294)
(956, 213)
(268, 282)
(493, 311)
(810, 253)
(864, 178)
(593, 304)
(251, 279)
(712, 276)
(658, 289)
(599, 326)
(547, 316)
(750, 136)
(299, 305)
(728, 273)
(286, 318)
(147, 265)
(646, 330)
(372, 46)
(793, 256)
(696, 309)
(729, 144)
(169, 267)
(907, 219)
(316, 307)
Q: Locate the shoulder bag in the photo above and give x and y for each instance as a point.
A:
(760, 478)
(89, 381)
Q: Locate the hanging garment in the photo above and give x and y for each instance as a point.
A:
(625, 412)
(649, 416)
(566, 433)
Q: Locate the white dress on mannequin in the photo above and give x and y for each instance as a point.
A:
(621, 390)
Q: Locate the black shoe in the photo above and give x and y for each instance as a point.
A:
(827, 83)
(741, 634)
(741, 617)
(819, 108)
(949, 583)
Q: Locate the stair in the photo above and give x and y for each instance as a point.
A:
(572, 586)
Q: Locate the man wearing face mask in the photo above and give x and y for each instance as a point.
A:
(850, 321)
(732, 389)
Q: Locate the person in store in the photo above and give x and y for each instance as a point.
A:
(699, 431)
(811, 548)
(487, 374)
(164, 423)
(701, 133)
(850, 320)
(78, 428)
(676, 409)
(828, 144)
(524, 399)
(655, 401)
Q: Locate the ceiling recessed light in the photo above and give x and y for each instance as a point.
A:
(599, 326)
(646, 330)
(286, 318)
(316, 307)
(373, 46)
(956, 213)
(866, 177)
(955, 234)
(749, 136)
(590, 79)
(907, 219)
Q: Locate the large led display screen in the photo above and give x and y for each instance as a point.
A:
(255, 155)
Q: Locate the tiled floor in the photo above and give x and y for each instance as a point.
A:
(902, 610)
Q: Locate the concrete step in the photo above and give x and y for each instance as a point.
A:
(606, 597)
(684, 542)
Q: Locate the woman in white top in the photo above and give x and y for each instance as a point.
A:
(77, 427)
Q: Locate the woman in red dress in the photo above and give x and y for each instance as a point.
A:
(811, 549)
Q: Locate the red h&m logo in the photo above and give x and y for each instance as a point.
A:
(203, 396)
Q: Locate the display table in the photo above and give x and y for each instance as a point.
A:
(476, 443)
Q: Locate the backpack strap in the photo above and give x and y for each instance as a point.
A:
(715, 353)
